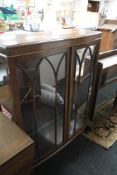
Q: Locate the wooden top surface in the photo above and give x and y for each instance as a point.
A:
(21, 42)
(12, 140)
(109, 27)
(16, 38)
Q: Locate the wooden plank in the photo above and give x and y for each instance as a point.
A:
(16, 147)
(20, 42)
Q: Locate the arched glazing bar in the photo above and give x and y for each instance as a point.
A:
(79, 60)
(31, 95)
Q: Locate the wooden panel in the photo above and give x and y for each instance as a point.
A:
(109, 73)
(115, 40)
(6, 97)
(107, 40)
(21, 164)
(109, 35)
(29, 42)
(4, 92)
(16, 149)
(18, 38)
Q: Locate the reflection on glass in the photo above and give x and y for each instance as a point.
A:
(42, 83)
(82, 86)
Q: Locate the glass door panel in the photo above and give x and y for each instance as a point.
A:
(82, 86)
(42, 88)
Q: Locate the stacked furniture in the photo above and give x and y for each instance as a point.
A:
(106, 84)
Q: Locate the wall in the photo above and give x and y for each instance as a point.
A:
(109, 7)
(82, 17)
(112, 9)
(76, 11)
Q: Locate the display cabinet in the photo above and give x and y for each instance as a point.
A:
(52, 76)
(42, 81)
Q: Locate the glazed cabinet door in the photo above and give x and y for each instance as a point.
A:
(83, 67)
(42, 81)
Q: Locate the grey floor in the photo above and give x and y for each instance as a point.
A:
(82, 157)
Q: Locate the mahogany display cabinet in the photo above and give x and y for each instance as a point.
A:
(51, 76)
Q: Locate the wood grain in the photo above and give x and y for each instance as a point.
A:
(109, 35)
(17, 43)
(16, 148)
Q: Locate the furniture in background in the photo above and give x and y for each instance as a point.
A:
(16, 149)
(109, 35)
(93, 6)
(106, 85)
(51, 77)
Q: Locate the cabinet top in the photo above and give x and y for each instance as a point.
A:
(18, 39)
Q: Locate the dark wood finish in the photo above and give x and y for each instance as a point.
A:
(89, 68)
(97, 86)
(36, 40)
(109, 63)
(16, 149)
(106, 74)
(24, 52)
(52, 153)
(6, 97)
(93, 6)
(107, 54)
